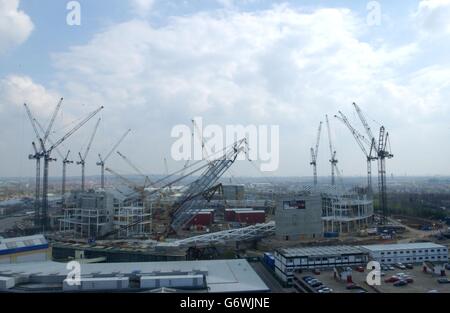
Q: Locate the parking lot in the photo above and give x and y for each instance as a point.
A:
(423, 282)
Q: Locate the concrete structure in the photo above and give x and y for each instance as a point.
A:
(94, 213)
(288, 260)
(346, 213)
(24, 249)
(299, 218)
(407, 252)
(212, 276)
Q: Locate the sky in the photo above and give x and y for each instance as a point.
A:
(156, 64)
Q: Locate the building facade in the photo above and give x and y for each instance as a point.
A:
(407, 253)
(299, 218)
(287, 261)
(24, 249)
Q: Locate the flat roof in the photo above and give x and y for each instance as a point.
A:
(319, 251)
(20, 244)
(403, 246)
(221, 275)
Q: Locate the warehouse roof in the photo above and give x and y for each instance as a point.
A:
(403, 246)
(320, 251)
(221, 275)
(21, 244)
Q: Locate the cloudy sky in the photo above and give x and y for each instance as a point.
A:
(154, 64)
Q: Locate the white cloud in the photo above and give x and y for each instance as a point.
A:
(15, 25)
(433, 16)
(142, 7)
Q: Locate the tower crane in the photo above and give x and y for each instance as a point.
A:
(361, 141)
(382, 151)
(45, 153)
(83, 157)
(102, 161)
(65, 161)
(333, 159)
(63, 187)
(383, 154)
(36, 156)
(314, 153)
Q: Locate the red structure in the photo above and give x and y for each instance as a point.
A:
(250, 217)
(202, 218)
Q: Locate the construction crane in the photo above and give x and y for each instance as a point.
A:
(83, 157)
(314, 153)
(102, 161)
(188, 204)
(45, 153)
(333, 160)
(65, 161)
(36, 156)
(63, 187)
(383, 154)
(361, 141)
(147, 180)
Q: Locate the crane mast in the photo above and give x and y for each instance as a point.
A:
(314, 153)
(82, 161)
(333, 160)
(361, 141)
(102, 161)
(46, 154)
(383, 154)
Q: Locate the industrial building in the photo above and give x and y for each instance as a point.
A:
(299, 218)
(288, 260)
(346, 213)
(24, 249)
(214, 276)
(407, 252)
(245, 216)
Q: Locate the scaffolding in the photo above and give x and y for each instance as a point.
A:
(346, 213)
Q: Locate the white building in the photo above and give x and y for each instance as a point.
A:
(288, 260)
(407, 253)
(24, 249)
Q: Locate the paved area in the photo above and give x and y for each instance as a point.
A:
(269, 279)
(423, 282)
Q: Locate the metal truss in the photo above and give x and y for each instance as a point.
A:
(227, 236)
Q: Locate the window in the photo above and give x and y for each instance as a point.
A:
(401, 252)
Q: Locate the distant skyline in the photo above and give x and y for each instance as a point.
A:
(155, 64)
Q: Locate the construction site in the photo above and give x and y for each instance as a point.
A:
(196, 213)
(192, 208)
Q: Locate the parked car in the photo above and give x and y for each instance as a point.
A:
(360, 290)
(307, 278)
(392, 279)
(313, 281)
(447, 267)
(360, 269)
(443, 280)
(316, 271)
(391, 268)
(433, 291)
(409, 280)
(409, 266)
(325, 290)
(316, 284)
(400, 283)
(401, 266)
